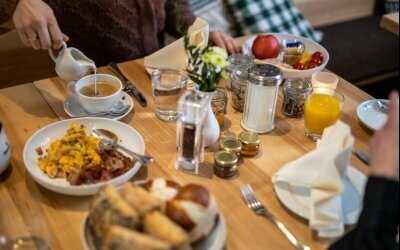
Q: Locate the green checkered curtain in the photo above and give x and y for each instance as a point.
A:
(277, 16)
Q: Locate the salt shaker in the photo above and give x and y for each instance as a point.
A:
(262, 94)
(189, 132)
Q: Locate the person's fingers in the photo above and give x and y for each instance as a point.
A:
(44, 35)
(33, 38)
(24, 37)
(229, 44)
(56, 35)
(65, 38)
(217, 39)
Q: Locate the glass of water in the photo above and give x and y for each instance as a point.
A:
(168, 85)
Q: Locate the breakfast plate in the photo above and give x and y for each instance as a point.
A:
(214, 241)
(127, 137)
(298, 200)
(311, 47)
(370, 115)
(74, 109)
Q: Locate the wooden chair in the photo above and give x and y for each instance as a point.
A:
(20, 64)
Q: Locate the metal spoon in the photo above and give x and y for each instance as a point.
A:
(383, 106)
(110, 140)
(114, 111)
(23, 243)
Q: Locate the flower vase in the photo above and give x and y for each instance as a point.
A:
(211, 129)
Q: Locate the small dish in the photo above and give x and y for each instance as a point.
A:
(214, 241)
(74, 109)
(370, 114)
(310, 45)
(298, 199)
(128, 137)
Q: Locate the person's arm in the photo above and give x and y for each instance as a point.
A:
(378, 223)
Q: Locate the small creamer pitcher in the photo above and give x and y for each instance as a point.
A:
(71, 63)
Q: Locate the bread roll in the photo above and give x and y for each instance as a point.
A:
(164, 190)
(120, 238)
(159, 225)
(195, 209)
(138, 198)
(109, 208)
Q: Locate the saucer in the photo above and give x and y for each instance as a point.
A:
(370, 115)
(298, 199)
(74, 108)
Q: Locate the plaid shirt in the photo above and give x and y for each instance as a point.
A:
(281, 16)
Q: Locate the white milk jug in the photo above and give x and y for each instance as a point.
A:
(71, 63)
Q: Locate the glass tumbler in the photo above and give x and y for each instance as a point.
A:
(218, 105)
(239, 78)
(168, 85)
(234, 61)
(322, 109)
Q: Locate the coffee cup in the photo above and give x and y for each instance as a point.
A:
(5, 150)
(100, 97)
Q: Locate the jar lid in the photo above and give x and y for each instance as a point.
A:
(248, 137)
(225, 158)
(265, 74)
(230, 144)
(299, 84)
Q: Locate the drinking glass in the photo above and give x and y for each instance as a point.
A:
(168, 85)
(322, 109)
(325, 80)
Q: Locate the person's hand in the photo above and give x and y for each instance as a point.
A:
(37, 25)
(384, 145)
(225, 41)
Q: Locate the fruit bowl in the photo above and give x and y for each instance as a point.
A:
(311, 47)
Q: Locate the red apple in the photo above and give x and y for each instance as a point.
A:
(265, 46)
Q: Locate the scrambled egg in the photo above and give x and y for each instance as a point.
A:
(74, 151)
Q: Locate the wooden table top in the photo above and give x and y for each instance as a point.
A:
(391, 22)
(29, 209)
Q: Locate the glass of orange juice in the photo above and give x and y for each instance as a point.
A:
(322, 109)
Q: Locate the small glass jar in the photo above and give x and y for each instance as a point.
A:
(295, 93)
(225, 164)
(236, 60)
(231, 145)
(239, 78)
(218, 104)
(250, 143)
(292, 51)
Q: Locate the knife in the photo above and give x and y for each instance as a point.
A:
(363, 156)
(128, 84)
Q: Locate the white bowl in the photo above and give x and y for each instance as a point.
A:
(311, 47)
(127, 137)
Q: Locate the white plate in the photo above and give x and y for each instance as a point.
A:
(298, 200)
(74, 109)
(370, 115)
(311, 47)
(214, 241)
(127, 137)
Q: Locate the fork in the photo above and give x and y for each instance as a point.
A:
(254, 204)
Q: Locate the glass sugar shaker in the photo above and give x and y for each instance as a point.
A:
(295, 92)
(262, 94)
(239, 78)
(192, 109)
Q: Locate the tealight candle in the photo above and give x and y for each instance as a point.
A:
(325, 80)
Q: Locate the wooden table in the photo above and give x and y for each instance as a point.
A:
(28, 209)
(391, 22)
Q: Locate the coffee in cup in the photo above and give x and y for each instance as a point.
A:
(97, 93)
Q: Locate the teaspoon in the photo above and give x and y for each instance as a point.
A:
(110, 140)
(383, 106)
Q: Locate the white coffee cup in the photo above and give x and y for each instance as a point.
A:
(96, 104)
(5, 150)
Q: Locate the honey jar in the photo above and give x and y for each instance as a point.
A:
(225, 164)
(250, 143)
(231, 144)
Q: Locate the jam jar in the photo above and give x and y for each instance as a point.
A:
(231, 144)
(250, 143)
(225, 164)
(295, 93)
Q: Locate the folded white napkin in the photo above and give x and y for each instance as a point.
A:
(173, 55)
(322, 171)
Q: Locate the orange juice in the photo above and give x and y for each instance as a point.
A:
(321, 111)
